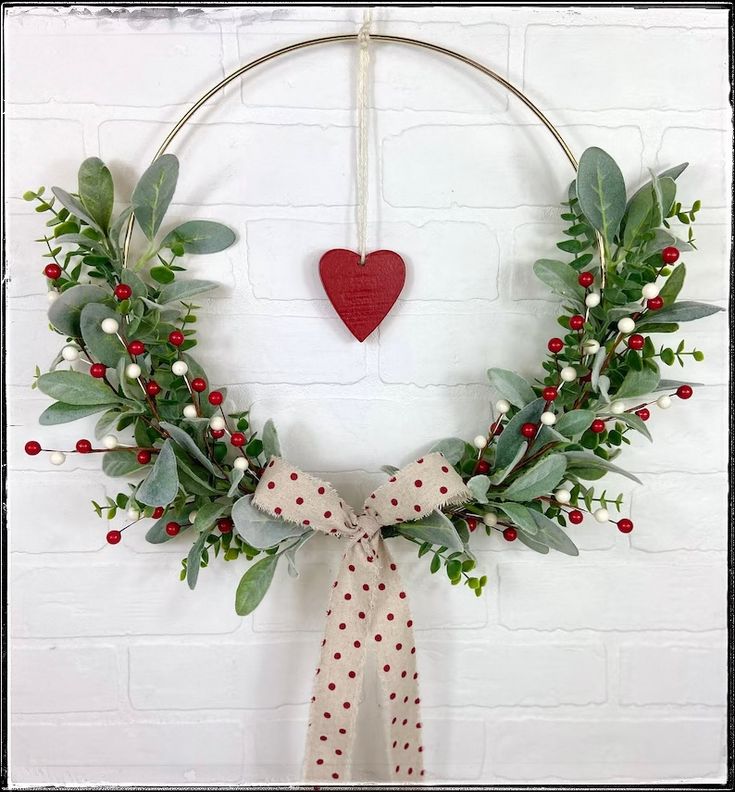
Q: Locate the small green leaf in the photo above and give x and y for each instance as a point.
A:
(639, 383)
(537, 480)
(96, 190)
(581, 460)
(59, 413)
(520, 516)
(153, 193)
(271, 445)
(436, 528)
(185, 441)
(73, 387)
(261, 530)
(511, 386)
(183, 290)
(574, 422)
(120, 463)
(199, 237)
(478, 486)
(162, 275)
(254, 584)
(560, 278)
(160, 486)
(549, 533)
(193, 560)
(451, 447)
(65, 312)
(601, 191)
(106, 348)
(684, 311)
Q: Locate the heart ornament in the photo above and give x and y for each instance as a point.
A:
(362, 293)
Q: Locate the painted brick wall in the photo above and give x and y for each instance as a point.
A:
(606, 668)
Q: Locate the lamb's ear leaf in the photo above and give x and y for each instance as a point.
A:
(96, 190)
(601, 191)
(153, 193)
(254, 585)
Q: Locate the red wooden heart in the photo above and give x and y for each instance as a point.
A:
(362, 294)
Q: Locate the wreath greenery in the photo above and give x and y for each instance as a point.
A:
(129, 332)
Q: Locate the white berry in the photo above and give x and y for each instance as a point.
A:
(548, 418)
(192, 516)
(591, 347)
(480, 441)
(568, 374)
(179, 368)
(132, 371)
(110, 326)
(133, 514)
(57, 458)
(562, 496)
(217, 422)
(617, 408)
(626, 325)
(52, 296)
(109, 442)
(601, 515)
(592, 300)
(664, 402)
(190, 411)
(241, 463)
(649, 291)
(490, 519)
(502, 406)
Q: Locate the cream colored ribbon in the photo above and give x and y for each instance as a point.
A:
(368, 608)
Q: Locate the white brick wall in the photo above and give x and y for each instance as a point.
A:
(606, 668)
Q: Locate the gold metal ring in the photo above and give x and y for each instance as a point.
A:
(343, 38)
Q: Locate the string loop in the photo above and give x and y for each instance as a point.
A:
(363, 42)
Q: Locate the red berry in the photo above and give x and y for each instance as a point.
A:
(528, 430)
(510, 534)
(113, 537)
(555, 345)
(655, 303)
(684, 391)
(158, 512)
(52, 271)
(123, 291)
(471, 523)
(172, 528)
(625, 525)
(225, 525)
(576, 322)
(217, 433)
(496, 428)
(597, 426)
(198, 385)
(83, 446)
(575, 516)
(33, 447)
(586, 279)
(136, 347)
(644, 413)
(636, 341)
(98, 370)
(176, 337)
(152, 388)
(216, 398)
(482, 467)
(144, 457)
(669, 255)
(238, 439)
(549, 393)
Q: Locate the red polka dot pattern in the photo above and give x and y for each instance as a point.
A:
(368, 607)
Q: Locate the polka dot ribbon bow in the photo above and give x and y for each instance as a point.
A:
(368, 608)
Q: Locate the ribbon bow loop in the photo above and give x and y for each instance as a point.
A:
(368, 607)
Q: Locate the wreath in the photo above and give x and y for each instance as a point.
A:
(129, 330)
(193, 465)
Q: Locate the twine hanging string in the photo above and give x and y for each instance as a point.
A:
(363, 42)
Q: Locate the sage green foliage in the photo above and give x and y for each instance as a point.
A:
(511, 481)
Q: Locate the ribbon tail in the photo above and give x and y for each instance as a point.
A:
(398, 675)
(338, 684)
(368, 609)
